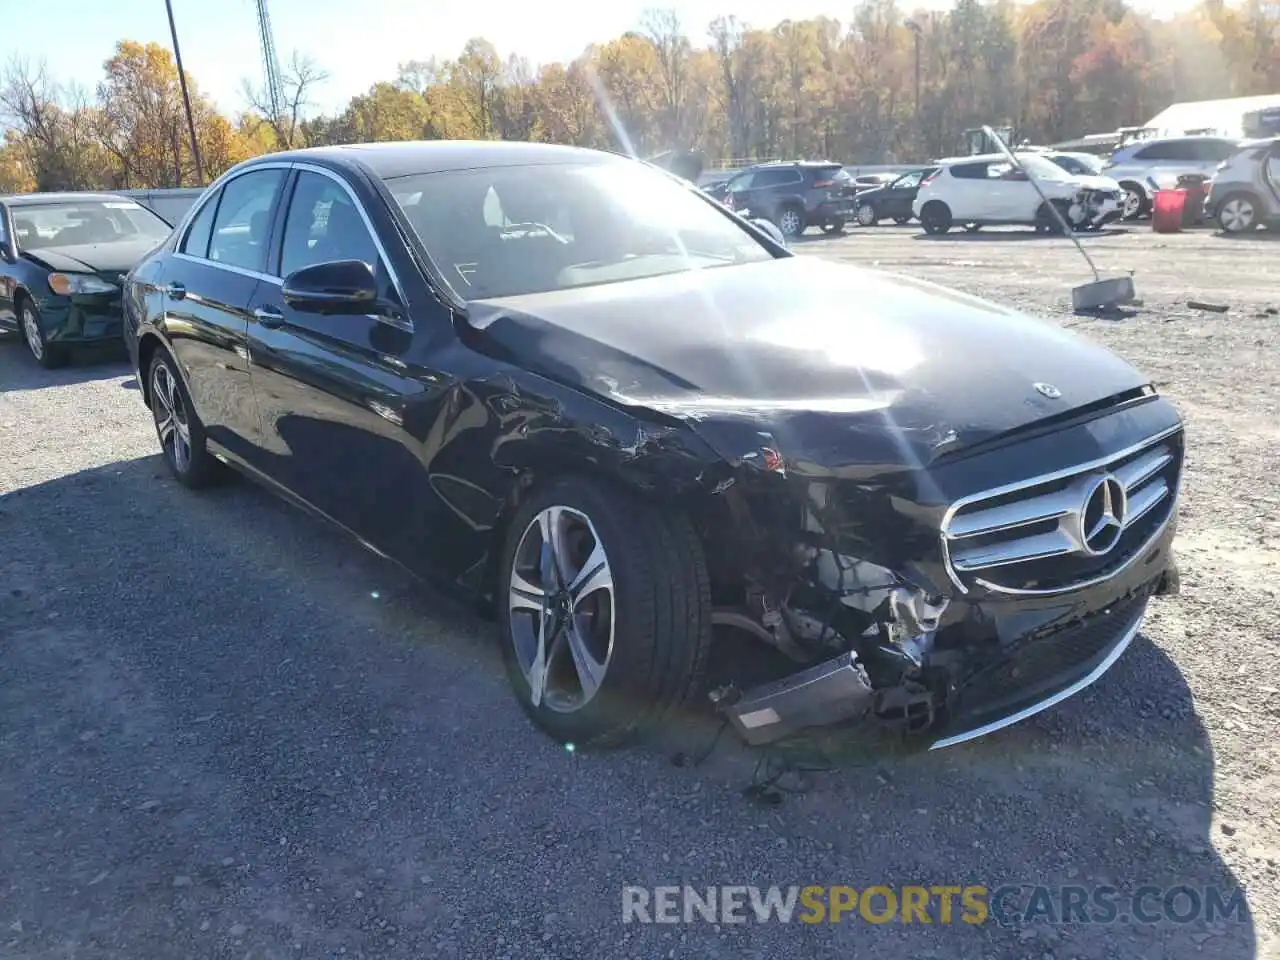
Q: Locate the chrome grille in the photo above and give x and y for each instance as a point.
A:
(1057, 532)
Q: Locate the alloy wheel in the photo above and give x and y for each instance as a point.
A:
(866, 215)
(1237, 215)
(561, 605)
(789, 223)
(1132, 203)
(170, 413)
(31, 332)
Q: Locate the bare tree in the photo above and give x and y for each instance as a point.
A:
(664, 30)
(298, 81)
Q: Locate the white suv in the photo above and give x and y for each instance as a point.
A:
(989, 190)
(1144, 166)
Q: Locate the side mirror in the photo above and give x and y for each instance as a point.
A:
(769, 227)
(340, 286)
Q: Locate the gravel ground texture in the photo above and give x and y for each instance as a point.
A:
(226, 731)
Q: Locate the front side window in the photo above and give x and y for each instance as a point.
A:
(323, 225)
(42, 226)
(509, 231)
(244, 220)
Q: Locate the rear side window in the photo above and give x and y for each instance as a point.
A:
(244, 220)
(970, 171)
(196, 242)
(775, 177)
(1170, 150)
(832, 173)
(1216, 150)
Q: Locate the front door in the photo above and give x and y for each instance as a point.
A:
(208, 286)
(335, 391)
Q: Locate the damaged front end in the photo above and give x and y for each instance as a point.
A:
(951, 600)
(1092, 208)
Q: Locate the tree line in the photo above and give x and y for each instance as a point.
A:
(887, 86)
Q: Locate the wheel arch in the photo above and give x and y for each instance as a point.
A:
(660, 461)
(148, 344)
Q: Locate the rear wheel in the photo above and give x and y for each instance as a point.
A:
(48, 355)
(181, 434)
(936, 217)
(1238, 214)
(607, 623)
(868, 215)
(791, 221)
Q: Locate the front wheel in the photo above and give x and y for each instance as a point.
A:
(48, 355)
(607, 627)
(1238, 214)
(181, 434)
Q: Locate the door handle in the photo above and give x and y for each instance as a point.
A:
(176, 290)
(269, 317)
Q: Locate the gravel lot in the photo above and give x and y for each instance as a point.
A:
(225, 731)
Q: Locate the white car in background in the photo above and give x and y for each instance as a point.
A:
(989, 191)
(1145, 166)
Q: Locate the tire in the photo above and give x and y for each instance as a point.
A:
(48, 355)
(834, 228)
(1136, 202)
(868, 215)
(652, 657)
(936, 218)
(1046, 222)
(901, 221)
(791, 221)
(1238, 213)
(972, 227)
(178, 426)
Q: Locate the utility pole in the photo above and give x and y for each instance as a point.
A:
(186, 98)
(915, 35)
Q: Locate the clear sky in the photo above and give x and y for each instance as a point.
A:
(358, 42)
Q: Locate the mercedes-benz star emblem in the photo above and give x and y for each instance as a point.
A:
(1048, 390)
(1102, 515)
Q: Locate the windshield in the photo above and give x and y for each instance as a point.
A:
(86, 221)
(1083, 166)
(1038, 166)
(509, 231)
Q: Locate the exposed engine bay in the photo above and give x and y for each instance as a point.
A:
(1092, 209)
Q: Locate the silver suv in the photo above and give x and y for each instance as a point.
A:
(1145, 166)
(1245, 191)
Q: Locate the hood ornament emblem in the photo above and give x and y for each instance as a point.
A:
(1048, 390)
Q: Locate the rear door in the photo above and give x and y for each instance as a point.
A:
(333, 390)
(208, 285)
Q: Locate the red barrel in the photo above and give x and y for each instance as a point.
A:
(1166, 210)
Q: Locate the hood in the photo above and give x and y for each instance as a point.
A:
(110, 259)
(841, 365)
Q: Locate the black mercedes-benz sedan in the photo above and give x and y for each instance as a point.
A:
(63, 258)
(621, 416)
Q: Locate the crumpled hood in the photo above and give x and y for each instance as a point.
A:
(103, 258)
(840, 365)
(1092, 182)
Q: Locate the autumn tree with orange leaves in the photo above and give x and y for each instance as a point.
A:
(1053, 69)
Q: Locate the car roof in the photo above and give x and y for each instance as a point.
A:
(31, 199)
(1197, 137)
(984, 158)
(392, 159)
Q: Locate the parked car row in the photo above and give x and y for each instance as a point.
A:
(618, 415)
(976, 191)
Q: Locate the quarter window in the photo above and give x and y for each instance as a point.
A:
(196, 243)
(243, 221)
(324, 225)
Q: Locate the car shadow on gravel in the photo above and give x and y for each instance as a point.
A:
(230, 731)
(19, 371)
